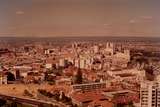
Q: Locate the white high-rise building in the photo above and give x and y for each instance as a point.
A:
(150, 94)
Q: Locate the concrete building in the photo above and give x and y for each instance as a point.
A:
(90, 86)
(96, 49)
(77, 63)
(19, 71)
(48, 65)
(62, 62)
(50, 51)
(3, 79)
(109, 48)
(82, 63)
(150, 94)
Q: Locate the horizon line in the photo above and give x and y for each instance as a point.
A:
(79, 36)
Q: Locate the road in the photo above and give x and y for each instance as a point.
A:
(35, 102)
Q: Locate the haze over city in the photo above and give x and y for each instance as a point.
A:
(59, 18)
(79, 53)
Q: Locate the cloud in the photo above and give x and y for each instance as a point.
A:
(19, 12)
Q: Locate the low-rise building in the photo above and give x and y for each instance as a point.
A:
(3, 79)
(89, 86)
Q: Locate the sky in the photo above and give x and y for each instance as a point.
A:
(62, 18)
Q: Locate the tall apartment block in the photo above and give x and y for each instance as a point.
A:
(150, 94)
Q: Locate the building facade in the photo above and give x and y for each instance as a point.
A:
(150, 94)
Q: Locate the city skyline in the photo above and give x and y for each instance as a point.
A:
(61, 18)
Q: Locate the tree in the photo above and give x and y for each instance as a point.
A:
(2, 102)
(149, 73)
(63, 97)
(120, 105)
(56, 96)
(10, 76)
(79, 78)
(130, 104)
(13, 104)
(27, 93)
